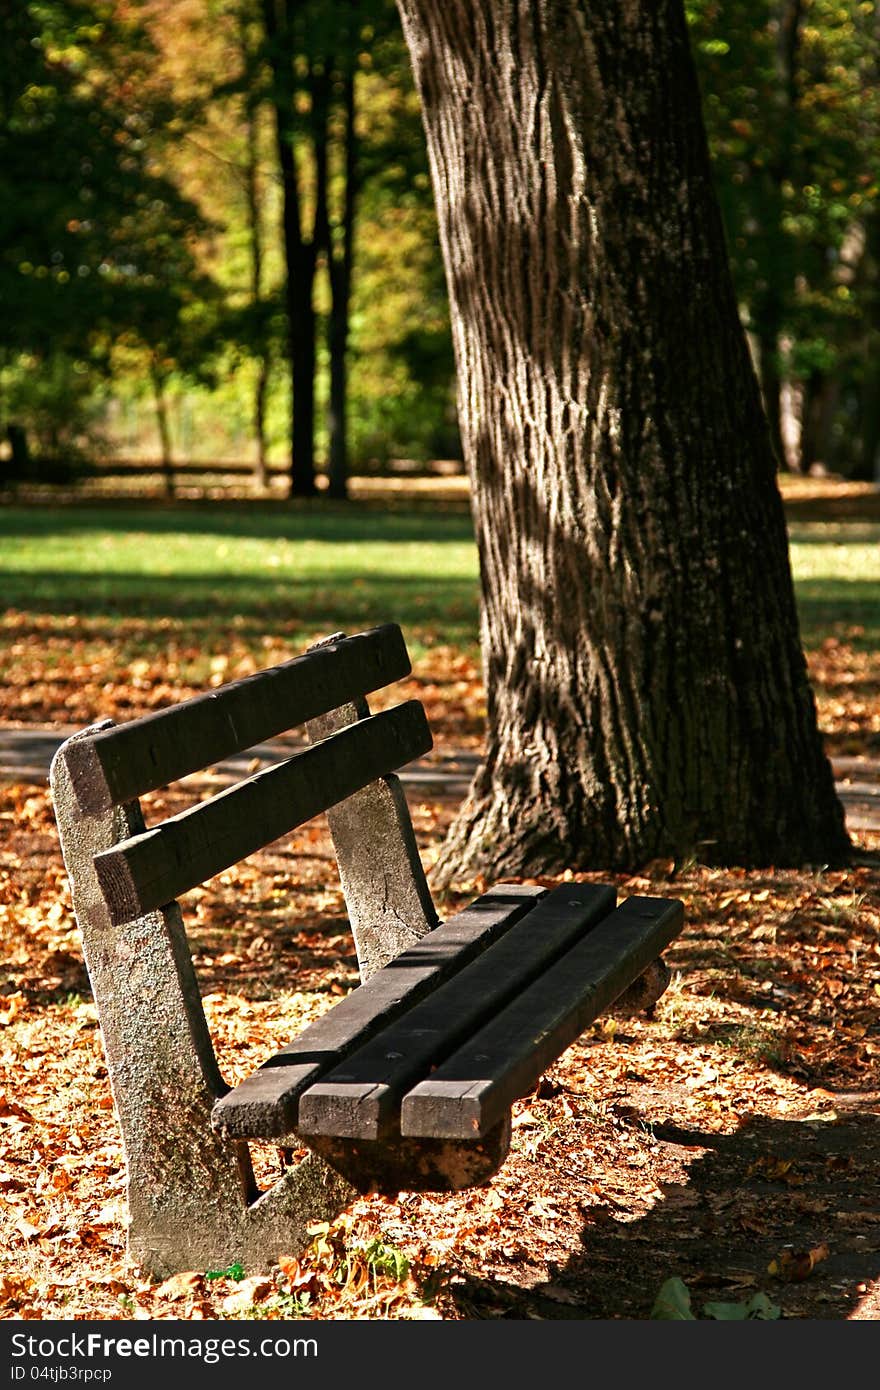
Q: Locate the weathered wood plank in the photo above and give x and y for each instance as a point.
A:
(263, 1106)
(470, 1092)
(116, 766)
(154, 868)
(359, 1098)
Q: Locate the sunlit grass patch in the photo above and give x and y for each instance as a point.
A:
(836, 569)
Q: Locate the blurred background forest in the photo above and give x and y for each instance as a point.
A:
(218, 244)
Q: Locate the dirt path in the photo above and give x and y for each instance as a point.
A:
(26, 751)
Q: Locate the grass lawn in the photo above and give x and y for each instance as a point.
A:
(112, 609)
(837, 577)
(302, 572)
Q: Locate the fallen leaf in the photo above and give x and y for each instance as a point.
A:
(795, 1266)
(524, 1119)
(11, 1005)
(10, 1110)
(178, 1286)
(673, 1302)
(249, 1291)
(777, 1170)
(13, 1289)
(758, 1308)
(202, 1310)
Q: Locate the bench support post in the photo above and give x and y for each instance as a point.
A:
(386, 893)
(192, 1200)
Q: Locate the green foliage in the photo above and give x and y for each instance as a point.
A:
(403, 370)
(234, 1271)
(387, 1259)
(792, 110)
(792, 113)
(137, 187)
(56, 396)
(673, 1304)
(95, 242)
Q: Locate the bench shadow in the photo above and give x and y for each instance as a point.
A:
(774, 1189)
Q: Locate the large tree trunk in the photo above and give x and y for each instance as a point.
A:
(647, 691)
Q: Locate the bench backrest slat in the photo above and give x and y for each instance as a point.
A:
(151, 869)
(122, 763)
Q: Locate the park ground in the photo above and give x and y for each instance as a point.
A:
(730, 1141)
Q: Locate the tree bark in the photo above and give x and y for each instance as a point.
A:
(647, 690)
(868, 469)
(339, 265)
(255, 224)
(771, 384)
(299, 254)
(164, 426)
(821, 394)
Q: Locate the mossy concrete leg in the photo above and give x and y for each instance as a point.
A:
(192, 1199)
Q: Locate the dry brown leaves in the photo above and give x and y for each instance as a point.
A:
(72, 670)
(770, 1029)
(846, 679)
(731, 1139)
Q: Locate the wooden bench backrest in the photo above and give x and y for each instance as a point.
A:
(117, 765)
(123, 762)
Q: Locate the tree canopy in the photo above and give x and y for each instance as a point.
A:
(159, 219)
(95, 241)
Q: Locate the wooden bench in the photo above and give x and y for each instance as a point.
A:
(408, 1082)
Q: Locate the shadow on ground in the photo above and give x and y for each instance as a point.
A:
(774, 1190)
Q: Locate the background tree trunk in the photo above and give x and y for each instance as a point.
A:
(647, 690)
(255, 228)
(771, 382)
(163, 425)
(20, 459)
(821, 392)
(299, 253)
(868, 468)
(339, 265)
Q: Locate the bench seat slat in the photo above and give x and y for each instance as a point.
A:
(359, 1098)
(474, 1087)
(151, 869)
(122, 763)
(263, 1106)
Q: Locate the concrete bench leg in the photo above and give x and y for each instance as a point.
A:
(386, 893)
(192, 1200)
